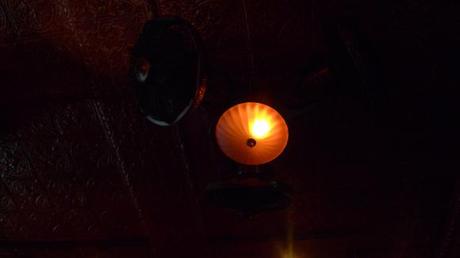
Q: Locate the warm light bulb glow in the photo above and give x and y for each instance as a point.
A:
(252, 133)
(260, 128)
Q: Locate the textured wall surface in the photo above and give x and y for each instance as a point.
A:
(62, 186)
(82, 174)
(77, 176)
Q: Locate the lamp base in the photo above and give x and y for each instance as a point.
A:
(248, 195)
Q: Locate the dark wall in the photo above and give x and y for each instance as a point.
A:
(82, 174)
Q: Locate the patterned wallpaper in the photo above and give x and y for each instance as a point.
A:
(74, 152)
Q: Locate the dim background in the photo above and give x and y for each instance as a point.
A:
(83, 174)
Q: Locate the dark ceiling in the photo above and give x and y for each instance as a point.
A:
(371, 163)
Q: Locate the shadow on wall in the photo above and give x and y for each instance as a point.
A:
(35, 75)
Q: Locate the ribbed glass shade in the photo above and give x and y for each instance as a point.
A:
(252, 133)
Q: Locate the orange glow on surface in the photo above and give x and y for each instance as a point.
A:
(252, 133)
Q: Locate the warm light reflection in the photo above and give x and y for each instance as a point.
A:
(287, 249)
(260, 128)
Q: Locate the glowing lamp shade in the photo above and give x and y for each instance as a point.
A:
(252, 133)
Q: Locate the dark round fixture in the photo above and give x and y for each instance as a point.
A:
(167, 70)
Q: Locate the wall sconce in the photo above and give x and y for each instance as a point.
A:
(250, 134)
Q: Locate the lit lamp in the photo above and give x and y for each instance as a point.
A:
(252, 133)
